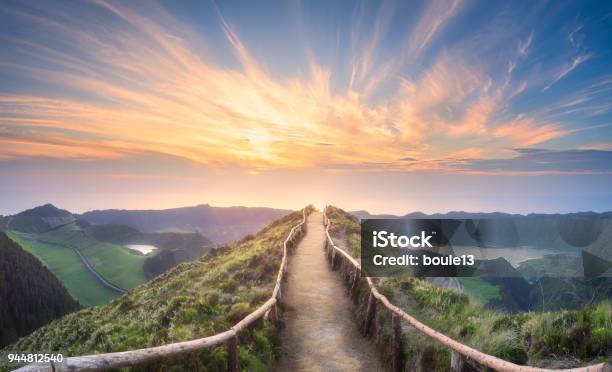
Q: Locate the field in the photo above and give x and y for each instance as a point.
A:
(55, 250)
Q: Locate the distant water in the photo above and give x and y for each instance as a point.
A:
(142, 248)
(514, 255)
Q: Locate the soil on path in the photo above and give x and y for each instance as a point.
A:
(320, 332)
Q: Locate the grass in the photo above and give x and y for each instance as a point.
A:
(482, 291)
(116, 263)
(345, 228)
(67, 267)
(565, 338)
(192, 300)
(554, 266)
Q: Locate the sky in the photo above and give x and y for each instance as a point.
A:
(387, 106)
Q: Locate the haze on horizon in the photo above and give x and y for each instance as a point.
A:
(390, 107)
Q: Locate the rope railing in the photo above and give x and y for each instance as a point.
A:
(120, 359)
(459, 351)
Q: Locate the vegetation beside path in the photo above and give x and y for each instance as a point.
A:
(565, 338)
(192, 300)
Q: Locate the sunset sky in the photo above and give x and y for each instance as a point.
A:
(386, 106)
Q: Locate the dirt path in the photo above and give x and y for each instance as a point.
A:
(320, 333)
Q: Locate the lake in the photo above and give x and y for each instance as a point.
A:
(514, 255)
(142, 248)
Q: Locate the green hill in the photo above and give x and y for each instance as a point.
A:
(56, 238)
(30, 296)
(57, 249)
(191, 300)
(117, 264)
(564, 338)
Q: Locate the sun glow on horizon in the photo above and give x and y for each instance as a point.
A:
(169, 98)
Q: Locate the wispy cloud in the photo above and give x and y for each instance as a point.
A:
(523, 46)
(432, 21)
(576, 61)
(573, 34)
(526, 132)
(144, 86)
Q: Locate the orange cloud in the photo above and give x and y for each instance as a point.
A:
(526, 132)
(148, 89)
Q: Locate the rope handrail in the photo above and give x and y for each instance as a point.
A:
(490, 361)
(120, 359)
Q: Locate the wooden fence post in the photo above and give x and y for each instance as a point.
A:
(398, 354)
(355, 282)
(370, 312)
(457, 361)
(232, 354)
(333, 258)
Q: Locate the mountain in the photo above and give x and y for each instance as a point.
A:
(588, 231)
(219, 224)
(30, 295)
(362, 214)
(192, 300)
(579, 273)
(39, 219)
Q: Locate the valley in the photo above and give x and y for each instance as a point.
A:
(99, 262)
(193, 299)
(500, 316)
(65, 264)
(66, 252)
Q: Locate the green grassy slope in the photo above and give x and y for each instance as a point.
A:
(55, 249)
(483, 291)
(117, 264)
(67, 267)
(191, 300)
(563, 338)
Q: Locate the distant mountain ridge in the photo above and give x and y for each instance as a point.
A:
(589, 231)
(528, 287)
(39, 219)
(56, 235)
(219, 224)
(478, 215)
